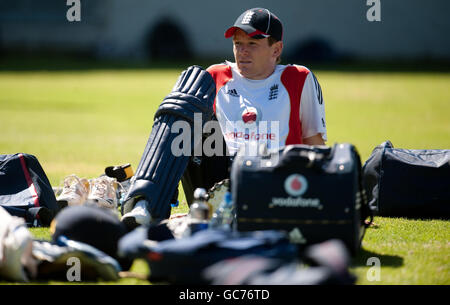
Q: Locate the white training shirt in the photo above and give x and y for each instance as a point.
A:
(269, 110)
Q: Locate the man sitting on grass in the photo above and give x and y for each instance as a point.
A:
(248, 95)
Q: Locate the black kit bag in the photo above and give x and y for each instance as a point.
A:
(25, 190)
(181, 261)
(225, 257)
(408, 182)
(313, 192)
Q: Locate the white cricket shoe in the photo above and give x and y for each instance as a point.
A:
(103, 192)
(139, 215)
(75, 191)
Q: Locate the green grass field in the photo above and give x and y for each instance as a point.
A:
(78, 121)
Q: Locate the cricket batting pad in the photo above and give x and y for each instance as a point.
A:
(159, 170)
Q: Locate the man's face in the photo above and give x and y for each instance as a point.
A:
(255, 59)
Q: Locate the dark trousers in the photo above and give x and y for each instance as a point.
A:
(204, 172)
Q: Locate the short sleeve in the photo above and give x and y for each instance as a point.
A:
(312, 109)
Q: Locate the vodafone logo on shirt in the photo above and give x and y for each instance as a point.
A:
(250, 127)
(295, 185)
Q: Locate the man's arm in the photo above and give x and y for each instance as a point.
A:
(314, 140)
(312, 113)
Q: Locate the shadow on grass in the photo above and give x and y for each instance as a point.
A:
(386, 260)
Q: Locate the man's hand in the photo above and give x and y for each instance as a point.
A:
(314, 140)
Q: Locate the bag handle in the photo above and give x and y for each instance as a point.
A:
(307, 156)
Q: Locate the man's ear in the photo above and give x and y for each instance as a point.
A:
(278, 48)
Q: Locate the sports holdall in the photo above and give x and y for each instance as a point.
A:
(25, 190)
(182, 261)
(408, 182)
(313, 192)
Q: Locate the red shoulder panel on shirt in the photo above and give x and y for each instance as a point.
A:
(293, 78)
(221, 74)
